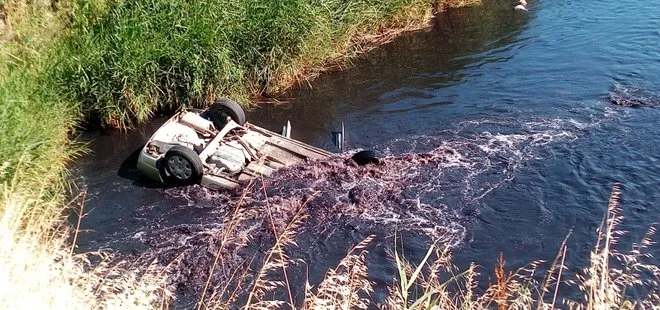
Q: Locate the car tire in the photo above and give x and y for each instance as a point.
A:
(182, 166)
(221, 109)
(365, 157)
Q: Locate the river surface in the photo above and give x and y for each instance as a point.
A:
(502, 131)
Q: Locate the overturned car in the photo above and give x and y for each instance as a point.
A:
(218, 149)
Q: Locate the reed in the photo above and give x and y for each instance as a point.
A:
(605, 283)
(435, 283)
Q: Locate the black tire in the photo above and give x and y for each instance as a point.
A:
(365, 157)
(182, 166)
(223, 108)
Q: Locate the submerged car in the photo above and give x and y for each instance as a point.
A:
(218, 149)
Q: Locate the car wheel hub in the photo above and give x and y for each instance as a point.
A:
(179, 167)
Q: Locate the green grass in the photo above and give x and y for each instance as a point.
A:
(125, 59)
(35, 120)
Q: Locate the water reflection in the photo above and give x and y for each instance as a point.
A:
(400, 77)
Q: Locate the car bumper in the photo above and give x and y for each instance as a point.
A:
(148, 166)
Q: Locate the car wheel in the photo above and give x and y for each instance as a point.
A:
(223, 108)
(365, 157)
(182, 165)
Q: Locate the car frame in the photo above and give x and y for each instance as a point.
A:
(218, 149)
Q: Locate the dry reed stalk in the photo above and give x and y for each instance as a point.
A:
(501, 293)
(549, 277)
(82, 197)
(345, 286)
(554, 296)
(283, 260)
(276, 258)
(235, 220)
(605, 281)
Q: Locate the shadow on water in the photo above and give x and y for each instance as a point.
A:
(128, 169)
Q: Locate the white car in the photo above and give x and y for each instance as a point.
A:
(218, 149)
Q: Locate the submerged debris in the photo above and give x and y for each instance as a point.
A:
(633, 97)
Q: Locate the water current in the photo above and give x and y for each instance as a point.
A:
(500, 131)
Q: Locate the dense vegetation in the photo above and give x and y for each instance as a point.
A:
(124, 59)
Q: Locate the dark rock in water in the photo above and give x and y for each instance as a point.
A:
(633, 97)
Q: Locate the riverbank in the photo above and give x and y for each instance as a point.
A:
(116, 63)
(38, 266)
(133, 58)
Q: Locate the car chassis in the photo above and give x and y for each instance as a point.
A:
(218, 149)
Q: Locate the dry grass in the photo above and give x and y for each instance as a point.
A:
(345, 286)
(275, 260)
(612, 273)
(435, 283)
(605, 284)
(39, 271)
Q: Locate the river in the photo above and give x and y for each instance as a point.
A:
(507, 130)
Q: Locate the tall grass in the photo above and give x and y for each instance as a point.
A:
(37, 267)
(123, 60)
(613, 279)
(35, 122)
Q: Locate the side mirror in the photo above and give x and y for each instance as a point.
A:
(338, 138)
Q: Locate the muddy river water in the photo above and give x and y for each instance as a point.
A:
(502, 132)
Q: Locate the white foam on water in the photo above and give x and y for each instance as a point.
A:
(424, 181)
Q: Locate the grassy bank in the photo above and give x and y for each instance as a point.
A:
(38, 269)
(133, 57)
